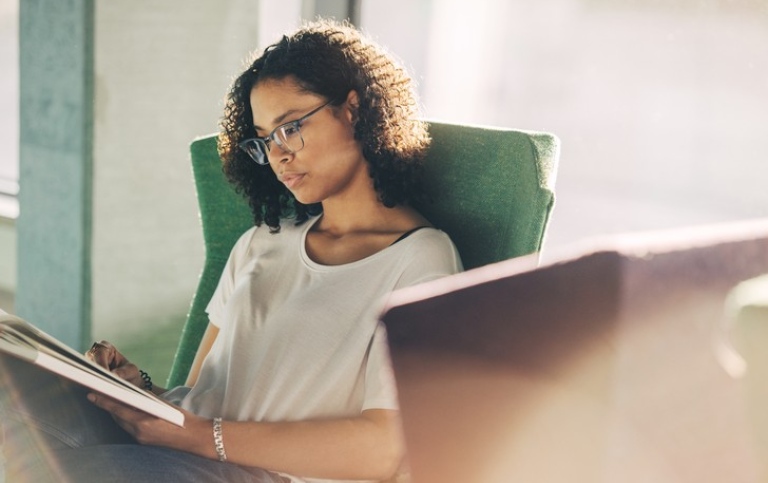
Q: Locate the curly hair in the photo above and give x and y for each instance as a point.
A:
(330, 59)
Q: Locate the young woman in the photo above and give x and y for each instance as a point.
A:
(292, 380)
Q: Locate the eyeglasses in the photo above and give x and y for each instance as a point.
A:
(287, 136)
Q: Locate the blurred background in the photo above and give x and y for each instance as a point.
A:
(661, 107)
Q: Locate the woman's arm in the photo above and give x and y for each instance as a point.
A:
(366, 447)
(107, 356)
(202, 351)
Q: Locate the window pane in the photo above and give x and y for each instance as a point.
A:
(660, 106)
(9, 96)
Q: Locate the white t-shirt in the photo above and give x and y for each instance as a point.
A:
(299, 340)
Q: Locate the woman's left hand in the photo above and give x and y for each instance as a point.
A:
(107, 356)
(148, 429)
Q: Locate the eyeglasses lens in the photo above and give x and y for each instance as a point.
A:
(289, 138)
(256, 149)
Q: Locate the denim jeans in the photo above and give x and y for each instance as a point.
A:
(53, 433)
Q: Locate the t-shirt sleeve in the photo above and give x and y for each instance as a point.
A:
(432, 257)
(380, 387)
(228, 279)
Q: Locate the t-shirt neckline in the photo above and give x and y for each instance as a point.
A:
(309, 262)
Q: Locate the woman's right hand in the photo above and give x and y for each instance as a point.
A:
(107, 356)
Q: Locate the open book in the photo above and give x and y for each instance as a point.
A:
(21, 339)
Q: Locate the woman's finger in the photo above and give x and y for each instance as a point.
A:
(116, 408)
(104, 354)
(130, 373)
(99, 354)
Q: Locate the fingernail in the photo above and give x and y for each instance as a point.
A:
(92, 397)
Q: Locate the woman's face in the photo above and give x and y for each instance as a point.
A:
(331, 163)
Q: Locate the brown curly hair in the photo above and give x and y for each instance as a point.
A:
(330, 59)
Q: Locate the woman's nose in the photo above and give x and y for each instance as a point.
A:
(278, 155)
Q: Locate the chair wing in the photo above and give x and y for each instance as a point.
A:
(224, 216)
(490, 189)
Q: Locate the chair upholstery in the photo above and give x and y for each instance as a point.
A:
(490, 189)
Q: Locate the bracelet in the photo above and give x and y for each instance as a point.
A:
(147, 380)
(218, 439)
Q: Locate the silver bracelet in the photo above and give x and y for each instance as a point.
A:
(218, 439)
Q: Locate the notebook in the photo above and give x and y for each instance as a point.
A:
(611, 363)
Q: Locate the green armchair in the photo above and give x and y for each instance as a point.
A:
(491, 190)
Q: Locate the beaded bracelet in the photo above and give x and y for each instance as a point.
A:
(218, 439)
(147, 380)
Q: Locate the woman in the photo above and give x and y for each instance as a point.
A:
(292, 380)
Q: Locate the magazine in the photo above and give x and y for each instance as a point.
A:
(21, 339)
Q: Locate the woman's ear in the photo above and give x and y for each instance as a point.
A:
(353, 103)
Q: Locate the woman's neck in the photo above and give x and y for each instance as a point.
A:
(341, 217)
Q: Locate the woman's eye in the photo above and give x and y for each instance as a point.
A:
(291, 129)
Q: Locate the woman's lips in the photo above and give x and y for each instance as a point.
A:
(291, 180)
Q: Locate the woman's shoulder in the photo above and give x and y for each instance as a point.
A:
(432, 247)
(431, 235)
(261, 237)
(288, 227)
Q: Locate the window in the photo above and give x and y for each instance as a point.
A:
(660, 105)
(9, 108)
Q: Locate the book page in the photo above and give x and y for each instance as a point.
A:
(21, 339)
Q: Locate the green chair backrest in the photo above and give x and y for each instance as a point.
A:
(491, 190)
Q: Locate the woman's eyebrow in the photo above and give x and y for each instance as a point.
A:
(279, 119)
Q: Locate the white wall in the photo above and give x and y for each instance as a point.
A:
(162, 70)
